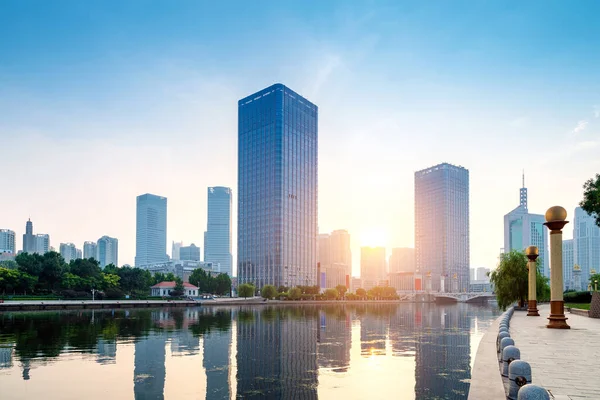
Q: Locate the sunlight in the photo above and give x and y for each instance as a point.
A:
(373, 237)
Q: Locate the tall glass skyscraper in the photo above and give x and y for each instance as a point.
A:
(277, 187)
(151, 230)
(107, 251)
(442, 228)
(586, 245)
(217, 238)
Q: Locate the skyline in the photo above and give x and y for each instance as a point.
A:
(125, 109)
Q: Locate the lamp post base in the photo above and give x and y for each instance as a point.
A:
(532, 310)
(557, 315)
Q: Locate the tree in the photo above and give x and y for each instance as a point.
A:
(179, 290)
(268, 291)
(595, 281)
(542, 286)
(341, 290)
(29, 263)
(9, 264)
(591, 198)
(362, 293)
(53, 266)
(331, 294)
(170, 277)
(203, 280)
(110, 268)
(294, 293)
(246, 290)
(222, 284)
(510, 279)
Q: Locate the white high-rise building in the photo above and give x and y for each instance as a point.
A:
(90, 250)
(586, 244)
(217, 238)
(108, 251)
(442, 228)
(68, 251)
(151, 230)
(7, 241)
(523, 229)
(175, 250)
(482, 274)
(42, 243)
(568, 265)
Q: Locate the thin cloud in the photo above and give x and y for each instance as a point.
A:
(597, 111)
(581, 125)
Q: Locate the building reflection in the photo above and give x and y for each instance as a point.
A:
(374, 322)
(217, 344)
(334, 338)
(149, 366)
(276, 353)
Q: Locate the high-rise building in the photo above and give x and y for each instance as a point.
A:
(41, 243)
(29, 242)
(402, 260)
(189, 253)
(523, 229)
(372, 266)
(568, 256)
(442, 228)
(151, 230)
(217, 238)
(7, 241)
(324, 249)
(472, 270)
(175, 250)
(586, 244)
(108, 251)
(90, 250)
(277, 188)
(482, 274)
(340, 252)
(68, 251)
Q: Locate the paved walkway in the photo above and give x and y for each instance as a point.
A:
(565, 362)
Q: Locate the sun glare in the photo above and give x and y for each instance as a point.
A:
(373, 238)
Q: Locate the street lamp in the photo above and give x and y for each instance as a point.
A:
(595, 286)
(93, 293)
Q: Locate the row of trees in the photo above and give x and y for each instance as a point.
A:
(339, 292)
(49, 274)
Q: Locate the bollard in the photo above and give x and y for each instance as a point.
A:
(519, 375)
(507, 341)
(509, 354)
(533, 392)
(503, 329)
(501, 336)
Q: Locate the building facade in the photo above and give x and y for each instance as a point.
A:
(277, 188)
(190, 253)
(108, 251)
(29, 241)
(7, 241)
(402, 260)
(523, 229)
(68, 251)
(90, 250)
(175, 250)
(151, 230)
(372, 266)
(586, 244)
(340, 252)
(41, 243)
(482, 274)
(442, 227)
(217, 238)
(568, 257)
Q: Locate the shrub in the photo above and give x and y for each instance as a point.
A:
(69, 294)
(578, 297)
(114, 294)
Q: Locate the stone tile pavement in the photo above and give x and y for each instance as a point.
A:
(565, 362)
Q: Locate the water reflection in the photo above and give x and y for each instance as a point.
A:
(303, 352)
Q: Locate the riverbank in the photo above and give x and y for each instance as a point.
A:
(486, 380)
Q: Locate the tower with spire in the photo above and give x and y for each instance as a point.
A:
(523, 193)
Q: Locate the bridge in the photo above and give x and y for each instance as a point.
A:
(470, 297)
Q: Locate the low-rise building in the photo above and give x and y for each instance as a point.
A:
(165, 289)
(480, 286)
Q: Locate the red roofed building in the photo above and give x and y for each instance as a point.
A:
(165, 288)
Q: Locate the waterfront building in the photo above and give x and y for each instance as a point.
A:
(90, 250)
(356, 283)
(181, 268)
(477, 286)
(107, 251)
(277, 188)
(335, 258)
(586, 244)
(523, 229)
(190, 253)
(402, 260)
(340, 252)
(175, 250)
(372, 266)
(151, 230)
(442, 227)
(217, 238)
(165, 288)
(68, 251)
(568, 256)
(482, 274)
(403, 281)
(7, 241)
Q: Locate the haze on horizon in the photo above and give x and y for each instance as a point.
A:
(104, 101)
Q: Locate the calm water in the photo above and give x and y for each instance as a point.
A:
(372, 351)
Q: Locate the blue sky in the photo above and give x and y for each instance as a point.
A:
(104, 100)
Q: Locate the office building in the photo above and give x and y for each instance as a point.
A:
(568, 257)
(372, 266)
(277, 188)
(334, 259)
(151, 230)
(442, 228)
(42, 243)
(217, 238)
(68, 251)
(324, 249)
(586, 244)
(189, 253)
(90, 250)
(7, 241)
(340, 253)
(523, 229)
(402, 260)
(108, 251)
(29, 241)
(481, 274)
(472, 271)
(175, 250)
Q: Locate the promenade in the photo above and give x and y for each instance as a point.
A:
(565, 362)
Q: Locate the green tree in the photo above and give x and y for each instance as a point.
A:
(110, 269)
(268, 291)
(29, 263)
(342, 289)
(246, 290)
(85, 268)
(591, 198)
(222, 284)
(542, 286)
(179, 290)
(9, 264)
(110, 281)
(170, 277)
(361, 293)
(158, 277)
(595, 281)
(294, 293)
(53, 266)
(331, 294)
(9, 280)
(510, 279)
(202, 279)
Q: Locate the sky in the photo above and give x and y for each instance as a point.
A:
(101, 101)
